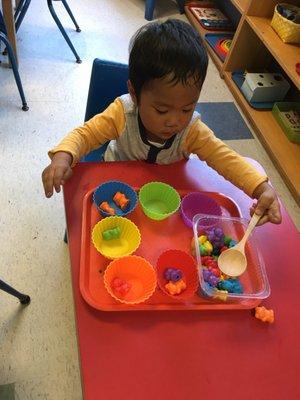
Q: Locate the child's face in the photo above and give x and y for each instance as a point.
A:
(166, 108)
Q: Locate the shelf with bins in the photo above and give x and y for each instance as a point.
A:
(284, 154)
(286, 55)
(255, 47)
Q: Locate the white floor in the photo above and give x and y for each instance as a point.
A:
(38, 349)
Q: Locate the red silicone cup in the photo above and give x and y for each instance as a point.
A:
(180, 260)
(197, 203)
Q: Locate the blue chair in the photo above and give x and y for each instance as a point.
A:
(150, 4)
(23, 7)
(108, 81)
(12, 59)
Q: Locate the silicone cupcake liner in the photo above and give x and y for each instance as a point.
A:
(159, 200)
(180, 260)
(137, 273)
(197, 203)
(126, 244)
(106, 192)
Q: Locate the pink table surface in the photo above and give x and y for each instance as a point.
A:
(188, 355)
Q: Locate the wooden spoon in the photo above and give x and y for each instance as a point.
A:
(233, 261)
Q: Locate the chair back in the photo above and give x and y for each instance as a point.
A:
(2, 24)
(108, 81)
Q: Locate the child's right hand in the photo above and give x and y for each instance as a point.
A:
(57, 173)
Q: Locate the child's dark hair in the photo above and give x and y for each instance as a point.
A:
(171, 48)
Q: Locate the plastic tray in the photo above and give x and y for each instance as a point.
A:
(157, 236)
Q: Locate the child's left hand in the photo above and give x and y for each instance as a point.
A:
(267, 204)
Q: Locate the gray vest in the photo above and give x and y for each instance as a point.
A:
(130, 146)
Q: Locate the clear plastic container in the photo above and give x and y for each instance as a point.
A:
(254, 280)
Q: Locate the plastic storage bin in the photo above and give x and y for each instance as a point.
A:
(291, 131)
(254, 280)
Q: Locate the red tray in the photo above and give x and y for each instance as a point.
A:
(157, 236)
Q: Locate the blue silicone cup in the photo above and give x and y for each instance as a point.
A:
(106, 192)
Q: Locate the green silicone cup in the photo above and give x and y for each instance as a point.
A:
(159, 200)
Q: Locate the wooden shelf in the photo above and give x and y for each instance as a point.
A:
(241, 5)
(256, 42)
(202, 32)
(287, 55)
(284, 154)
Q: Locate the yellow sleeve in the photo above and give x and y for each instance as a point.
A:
(201, 140)
(98, 130)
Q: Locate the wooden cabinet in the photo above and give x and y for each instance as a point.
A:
(256, 45)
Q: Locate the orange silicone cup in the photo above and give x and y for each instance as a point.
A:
(183, 261)
(136, 271)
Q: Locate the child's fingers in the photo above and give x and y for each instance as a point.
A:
(265, 218)
(57, 178)
(47, 177)
(275, 213)
(67, 175)
(263, 204)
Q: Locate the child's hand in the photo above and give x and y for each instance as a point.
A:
(267, 204)
(57, 173)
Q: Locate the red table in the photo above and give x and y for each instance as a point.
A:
(189, 355)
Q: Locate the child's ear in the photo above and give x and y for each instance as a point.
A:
(131, 92)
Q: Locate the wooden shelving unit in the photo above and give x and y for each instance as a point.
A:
(255, 44)
(287, 55)
(241, 5)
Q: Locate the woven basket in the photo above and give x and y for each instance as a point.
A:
(287, 30)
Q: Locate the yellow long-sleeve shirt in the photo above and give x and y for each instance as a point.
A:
(119, 123)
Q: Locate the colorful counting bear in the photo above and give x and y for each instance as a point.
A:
(120, 286)
(205, 246)
(231, 285)
(264, 314)
(212, 242)
(121, 200)
(210, 277)
(177, 287)
(172, 274)
(216, 238)
(110, 234)
(104, 206)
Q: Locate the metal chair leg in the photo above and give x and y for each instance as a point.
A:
(181, 6)
(18, 9)
(19, 18)
(149, 9)
(66, 237)
(71, 15)
(61, 28)
(24, 298)
(15, 71)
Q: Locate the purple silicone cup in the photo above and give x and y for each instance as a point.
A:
(198, 203)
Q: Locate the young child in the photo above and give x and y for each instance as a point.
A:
(156, 122)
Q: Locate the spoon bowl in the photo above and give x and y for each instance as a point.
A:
(233, 262)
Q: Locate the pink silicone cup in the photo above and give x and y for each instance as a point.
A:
(198, 203)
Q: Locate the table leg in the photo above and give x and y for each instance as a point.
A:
(8, 14)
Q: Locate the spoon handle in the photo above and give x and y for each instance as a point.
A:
(254, 220)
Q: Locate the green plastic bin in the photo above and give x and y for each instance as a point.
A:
(293, 133)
